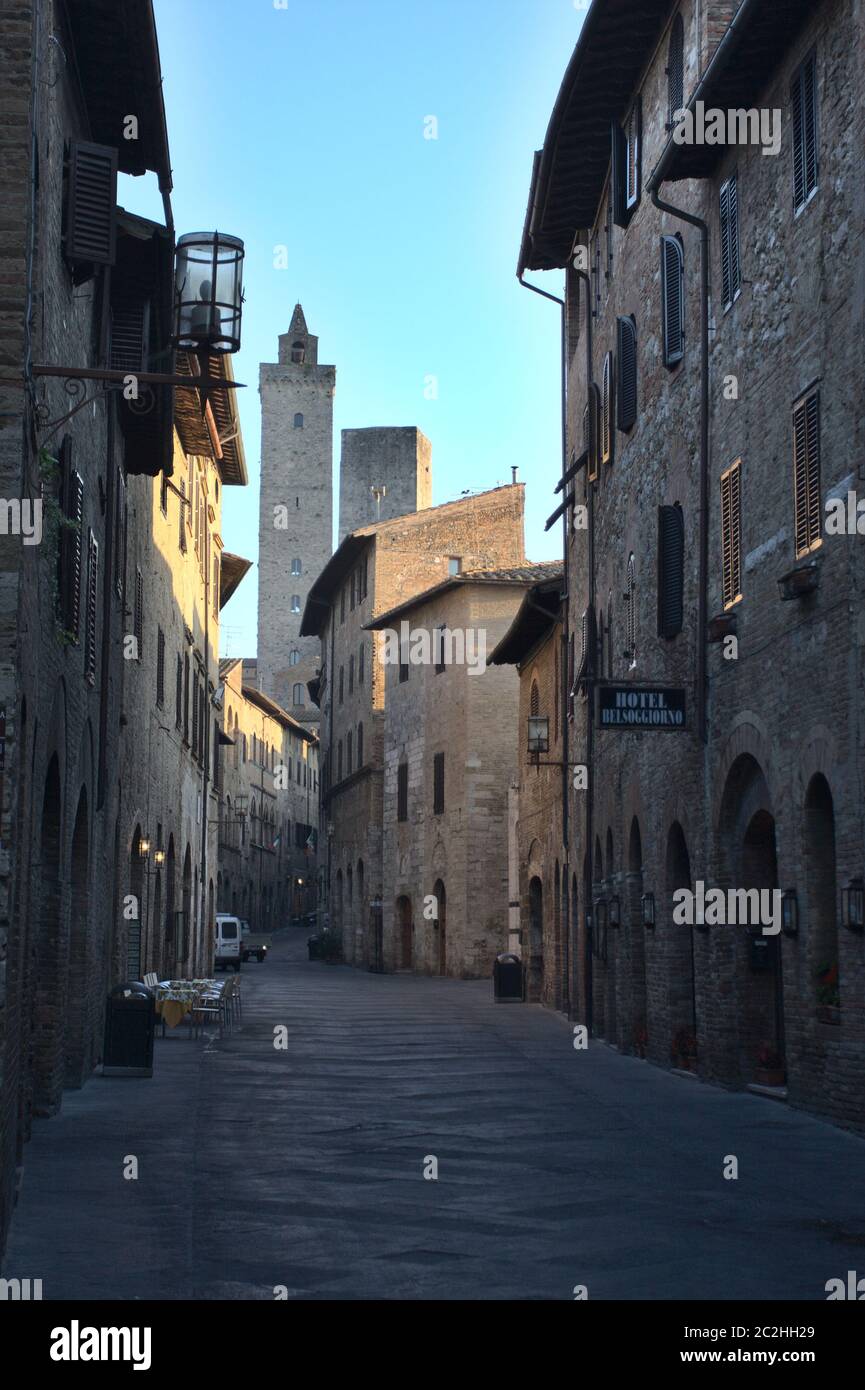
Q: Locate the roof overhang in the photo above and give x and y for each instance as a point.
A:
(117, 57)
(536, 617)
(211, 428)
(320, 596)
(270, 707)
(615, 43)
(232, 569)
(750, 51)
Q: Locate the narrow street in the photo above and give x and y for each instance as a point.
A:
(259, 1167)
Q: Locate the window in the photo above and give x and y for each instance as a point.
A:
(626, 386)
(341, 683)
(297, 695)
(402, 792)
(627, 160)
(631, 620)
(216, 586)
(295, 603)
(139, 612)
(196, 709)
(671, 571)
(298, 421)
(163, 495)
(438, 784)
(120, 537)
(160, 667)
(675, 71)
(803, 102)
(294, 657)
(71, 548)
(92, 596)
(360, 746)
(591, 431)
(403, 672)
(182, 517)
(178, 694)
(439, 649)
(360, 663)
(295, 567)
(455, 565)
(731, 279)
(351, 675)
(606, 441)
(731, 534)
(806, 473)
(298, 352)
(672, 292)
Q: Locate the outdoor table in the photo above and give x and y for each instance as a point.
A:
(176, 998)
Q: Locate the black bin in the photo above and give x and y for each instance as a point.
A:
(313, 946)
(130, 1020)
(508, 978)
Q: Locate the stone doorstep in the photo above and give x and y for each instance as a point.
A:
(770, 1092)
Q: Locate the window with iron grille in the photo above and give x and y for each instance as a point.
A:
(671, 571)
(675, 71)
(731, 534)
(626, 388)
(70, 554)
(160, 667)
(606, 440)
(731, 279)
(92, 596)
(803, 103)
(673, 299)
(139, 612)
(631, 612)
(438, 784)
(806, 474)
(402, 792)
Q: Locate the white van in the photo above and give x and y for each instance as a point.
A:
(228, 938)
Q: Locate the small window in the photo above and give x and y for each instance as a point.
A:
(803, 101)
(402, 792)
(298, 352)
(439, 652)
(534, 700)
(806, 474)
(591, 431)
(671, 571)
(360, 663)
(676, 71)
(297, 695)
(455, 565)
(626, 387)
(731, 534)
(673, 292)
(295, 603)
(606, 441)
(294, 657)
(731, 279)
(298, 421)
(295, 567)
(438, 784)
(627, 161)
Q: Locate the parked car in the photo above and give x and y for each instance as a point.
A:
(228, 942)
(253, 943)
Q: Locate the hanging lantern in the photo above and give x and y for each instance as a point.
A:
(539, 734)
(208, 282)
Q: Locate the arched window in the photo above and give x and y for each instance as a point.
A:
(676, 70)
(298, 421)
(360, 745)
(534, 700)
(295, 567)
(294, 657)
(295, 603)
(631, 600)
(297, 695)
(298, 352)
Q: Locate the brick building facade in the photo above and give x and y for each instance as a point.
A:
(713, 311)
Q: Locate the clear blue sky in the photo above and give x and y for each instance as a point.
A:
(304, 127)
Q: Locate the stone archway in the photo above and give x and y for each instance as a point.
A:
(535, 980)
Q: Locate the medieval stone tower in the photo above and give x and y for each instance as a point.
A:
(383, 472)
(296, 512)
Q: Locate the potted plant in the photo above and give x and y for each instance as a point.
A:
(828, 993)
(770, 1066)
(641, 1040)
(684, 1050)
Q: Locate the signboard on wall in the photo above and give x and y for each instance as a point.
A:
(641, 707)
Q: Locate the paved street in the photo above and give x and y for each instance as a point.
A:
(304, 1167)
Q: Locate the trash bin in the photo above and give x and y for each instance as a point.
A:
(313, 946)
(130, 1020)
(508, 978)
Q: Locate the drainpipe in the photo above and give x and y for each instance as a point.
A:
(702, 619)
(563, 664)
(590, 700)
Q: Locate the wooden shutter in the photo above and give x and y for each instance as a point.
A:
(626, 392)
(139, 612)
(676, 71)
(672, 288)
(160, 667)
(438, 784)
(671, 571)
(130, 335)
(806, 474)
(92, 596)
(72, 552)
(804, 105)
(91, 204)
(731, 533)
(633, 143)
(402, 792)
(183, 509)
(730, 273)
(592, 425)
(195, 714)
(619, 175)
(606, 432)
(178, 694)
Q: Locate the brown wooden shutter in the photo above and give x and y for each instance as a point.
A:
(402, 792)
(731, 534)
(626, 392)
(593, 428)
(806, 474)
(671, 571)
(606, 432)
(438, 784)
(91, 204)
(92, 596)
(673, 289)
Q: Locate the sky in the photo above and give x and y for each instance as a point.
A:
(299, 126)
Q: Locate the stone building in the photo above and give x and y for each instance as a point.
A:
(295, 511)
(713, 320)
(374, 568)
(384, 472)
(533, 644)
(268, 807)
(450, 757)
(73, 270)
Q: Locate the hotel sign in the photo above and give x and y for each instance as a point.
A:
(641, 707)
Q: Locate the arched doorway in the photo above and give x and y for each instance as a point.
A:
(442, 926)
(405, 929)
(679, 952)
(50, 978)
(636, 939)
(78, 1062)
(536, 939)
(360, 915)
(577, 1002)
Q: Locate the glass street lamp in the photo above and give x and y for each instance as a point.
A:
(790, 913)
(159, 858)
(854, 905)
(144, 847)
(647, 903)
(539, 734)
(208, 282)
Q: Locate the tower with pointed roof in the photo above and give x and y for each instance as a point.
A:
(295, 512)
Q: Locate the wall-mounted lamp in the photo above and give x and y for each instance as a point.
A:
(647, 902)
(853, 898)
(790, 912)
(143, 847)
(615, 912)
(539, 734)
